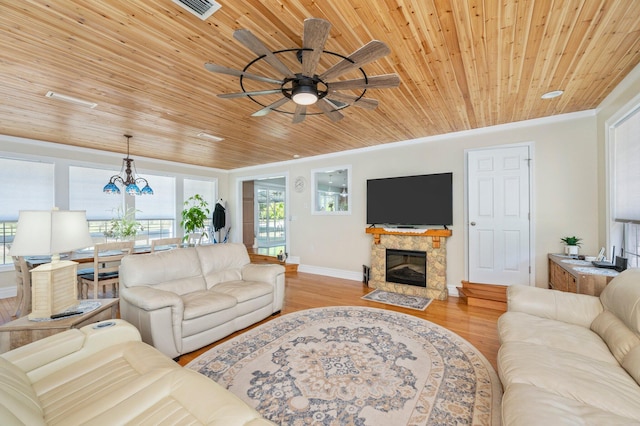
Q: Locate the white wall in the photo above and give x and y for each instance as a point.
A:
(565, 163)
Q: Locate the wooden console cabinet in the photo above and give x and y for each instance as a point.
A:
(567, 274)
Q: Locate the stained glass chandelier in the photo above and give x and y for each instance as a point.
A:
(130, 180)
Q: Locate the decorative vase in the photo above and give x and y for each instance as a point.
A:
(571, 250)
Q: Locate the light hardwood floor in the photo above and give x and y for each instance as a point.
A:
(475, 324)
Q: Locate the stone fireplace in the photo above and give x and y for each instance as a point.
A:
(430, 242)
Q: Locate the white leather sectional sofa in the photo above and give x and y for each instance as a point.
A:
(571, 359)
(102, 374)
(184, 299)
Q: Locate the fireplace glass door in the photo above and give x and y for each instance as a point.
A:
(406, 267)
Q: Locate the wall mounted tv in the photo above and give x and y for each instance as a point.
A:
(423, 200)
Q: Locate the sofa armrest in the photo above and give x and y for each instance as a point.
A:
(149, 298)
(264, 272)
(271, 274)
(46, 355)
(572, 308)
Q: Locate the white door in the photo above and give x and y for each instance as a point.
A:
(498, 215)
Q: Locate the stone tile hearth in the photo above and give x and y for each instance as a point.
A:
(436, 264)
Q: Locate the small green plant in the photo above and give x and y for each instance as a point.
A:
(195, 214)
(123, 225)
(571, 241)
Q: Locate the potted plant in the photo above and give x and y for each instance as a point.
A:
(123, 226)
(571, 245)
(195, 214)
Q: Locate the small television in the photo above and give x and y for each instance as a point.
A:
(423, 200)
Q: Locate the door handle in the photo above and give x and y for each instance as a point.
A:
(472, 224)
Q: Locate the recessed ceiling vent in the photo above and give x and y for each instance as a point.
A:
(201, 8)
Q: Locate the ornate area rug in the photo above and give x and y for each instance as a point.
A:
(397, 299)
(356, 366)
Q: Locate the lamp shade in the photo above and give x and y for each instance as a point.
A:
(50, 232)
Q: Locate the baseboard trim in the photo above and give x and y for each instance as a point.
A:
(330, 272)
(453, 291)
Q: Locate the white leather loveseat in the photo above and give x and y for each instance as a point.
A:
(571, 359)
(102, 374)
(184, 299)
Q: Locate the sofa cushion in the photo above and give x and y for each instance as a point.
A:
(97, 383)
(244, 290)
(222, 262)
(521, 327)
(19, 402)
(605, 386)
(615, 334)
(174, 270)
(622, 298)
(205, 302)
(526, 405)
(182, 397)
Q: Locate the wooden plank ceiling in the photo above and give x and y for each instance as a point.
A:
(463, 64)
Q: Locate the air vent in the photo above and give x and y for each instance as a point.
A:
(201, 8)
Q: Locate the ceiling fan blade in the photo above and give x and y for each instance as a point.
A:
(300, 114)
(316, 32)
(247, 38)
(368, 53)
(365, 103)
(327, 107)
(230, 71)
(243, 94)
(384, 81)
(266, 110)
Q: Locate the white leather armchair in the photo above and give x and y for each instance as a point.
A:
(182, 300)
(102, 374)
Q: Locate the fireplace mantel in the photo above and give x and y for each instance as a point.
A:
(435, 234)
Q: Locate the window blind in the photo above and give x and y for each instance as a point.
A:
(205, 188)
(26, 185)
(160, 205)
(627, 169)
(85, 193)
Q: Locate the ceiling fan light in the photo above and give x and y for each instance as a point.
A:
(304, 95)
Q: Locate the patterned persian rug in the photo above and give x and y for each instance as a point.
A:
(356, 366)
(397, 299)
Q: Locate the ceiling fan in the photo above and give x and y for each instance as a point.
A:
(304, 86)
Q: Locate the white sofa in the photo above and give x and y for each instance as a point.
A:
(102, 374)
(184, 299)
(571, 359)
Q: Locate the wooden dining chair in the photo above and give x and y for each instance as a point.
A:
(175, 242)
(23, 284)
(106, 262)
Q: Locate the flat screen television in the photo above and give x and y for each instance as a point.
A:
(424, 200)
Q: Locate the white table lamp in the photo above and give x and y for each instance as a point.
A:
(51, 232)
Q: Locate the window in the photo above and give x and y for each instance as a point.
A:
(207, 190)
(156, 213)
(331, 189)
(270, 200)
(626, 190)
(20, 190)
